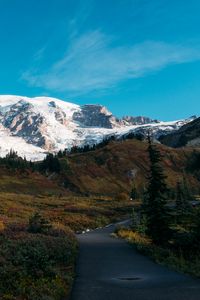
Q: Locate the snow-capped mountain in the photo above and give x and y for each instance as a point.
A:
(35, 126)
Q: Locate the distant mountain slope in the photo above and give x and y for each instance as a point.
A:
(108, 171)
(187, 135)
(112, 169)
(34, 126)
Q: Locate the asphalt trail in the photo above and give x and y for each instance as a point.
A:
(110, 269)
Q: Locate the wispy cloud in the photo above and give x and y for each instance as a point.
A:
(93, 62)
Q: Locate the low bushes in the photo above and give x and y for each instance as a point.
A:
(173, 256)
(36, 266)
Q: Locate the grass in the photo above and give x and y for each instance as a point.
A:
(76, 212)
(164, 256)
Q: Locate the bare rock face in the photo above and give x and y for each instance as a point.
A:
(24, 122)
(129, 120)
(95, 116)
(59, 114)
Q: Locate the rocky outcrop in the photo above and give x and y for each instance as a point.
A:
(95, 116)
(128, 120)
(59, 114)
(24, 122)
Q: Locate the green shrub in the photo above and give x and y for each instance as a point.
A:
(36, 266)
(174, 256)
(38, 224)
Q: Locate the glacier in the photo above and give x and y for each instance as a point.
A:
(35, 126)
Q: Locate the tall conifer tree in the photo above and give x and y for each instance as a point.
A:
(157, 215)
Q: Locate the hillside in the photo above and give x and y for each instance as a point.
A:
(91, 190)
(187, 135)
(91, 187)
(22, 193)
(110, 170)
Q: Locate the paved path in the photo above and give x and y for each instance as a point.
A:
(107, 266)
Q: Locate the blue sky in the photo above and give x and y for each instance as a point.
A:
(137, 57)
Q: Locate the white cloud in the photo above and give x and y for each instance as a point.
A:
(92, 62)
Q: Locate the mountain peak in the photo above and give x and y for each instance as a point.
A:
(43, 124)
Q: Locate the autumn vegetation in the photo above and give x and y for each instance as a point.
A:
(43, 204)
(168, 232)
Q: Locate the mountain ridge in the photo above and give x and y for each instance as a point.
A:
(187, 135)
(35, 126)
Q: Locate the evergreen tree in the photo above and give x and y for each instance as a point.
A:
(134, 219)
(196, 229)
(32, 166)
(12, 154)
(133, 194)
(51, 163)
(187, 190)
(60, 154)
(183, 206)
(156, 212)
(38, 224)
